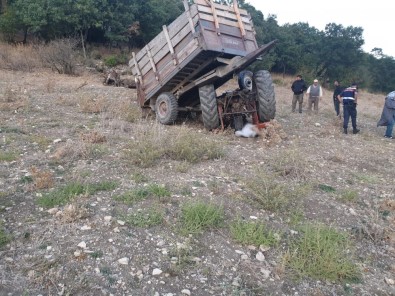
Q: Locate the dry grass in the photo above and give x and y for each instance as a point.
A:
(19, 58)
(42, 179)
(91, 104)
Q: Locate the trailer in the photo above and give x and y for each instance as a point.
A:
(181, 68)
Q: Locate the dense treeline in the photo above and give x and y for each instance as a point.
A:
(335, 53)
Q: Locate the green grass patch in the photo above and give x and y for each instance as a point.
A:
(253, 233)
(273, 196)
(139, 178)
(145, 219)
(11, 130)
(67, 193)
(4, 237)
(139, 194)
(322, 253)
(326, 188)
(348, 195)
(196, 217)
(8, 156)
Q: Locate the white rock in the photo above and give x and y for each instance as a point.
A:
(239, 252)
(124, 261)
(186, 292)
(82, 245)
(264, 248)
(318, 124)
(77, 253)
(253, 217)
(389, 281)
(120, 222)
(57, 141)
(156, 271)
(86, 227)
(107, 218)
(260, 257)
(352, 211)
(265, 273)
(244, 257)
(53, 211)
(116, 229)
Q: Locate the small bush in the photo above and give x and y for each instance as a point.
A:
(348, 195)
(199, 216)
(7, 156)
(253, 233)
(42, 179)
(322, 253)
(60, 55)
(114, 60)
(140, 194)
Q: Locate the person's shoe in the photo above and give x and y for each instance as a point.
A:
(388, 137)
(345, 131)
(355, 131)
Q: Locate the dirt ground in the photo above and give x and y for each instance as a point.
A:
(56, 129)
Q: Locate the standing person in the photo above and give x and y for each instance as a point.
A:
(298, 87)
(349, 98)
(388, 115)
(315, 94)
(336, 92)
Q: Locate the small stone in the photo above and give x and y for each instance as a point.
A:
(77, 254)
(120, 222)
(389, 281)
(116, 229)
(53, 211)
(265, 273)
(86, 227)
(123, 261)
(240, 252)
(186, 292)
(156, 271)
(317, 124)
(244, 257)
(107, 218)
(82, 245)
(260, 257)
(253, 217)
(57, 141)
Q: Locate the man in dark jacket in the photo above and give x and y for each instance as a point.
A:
(349, 98)
(336, 92)
(298, 87)
(388, 115)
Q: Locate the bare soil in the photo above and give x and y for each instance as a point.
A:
(57, 129)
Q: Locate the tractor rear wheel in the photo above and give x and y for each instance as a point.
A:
(166, 108)
(208, 103)
(265, 95)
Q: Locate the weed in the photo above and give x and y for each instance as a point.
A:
(41, 141)
(159, 191)
(133, 196)
(72, 190)
(290, 165)
(96, 254)
(196, 217)
(11, 130)
(7, 156)
(326, 188)
(139, 178)
(114, 60)
(4, 237)
(145, 219)
(90, 104)
(252, 233)
(26, 179)
(322, 253)
(348, 195)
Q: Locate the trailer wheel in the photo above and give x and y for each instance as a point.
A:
(245, 80)
(265, 95)
(208, 103)
(166, 108)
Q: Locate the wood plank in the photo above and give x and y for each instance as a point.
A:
(189, 16)
(220, 6)
(214, 13)
(210, 18)
(224, 14)
(239, 20)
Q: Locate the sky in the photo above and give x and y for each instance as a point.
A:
(375, 17)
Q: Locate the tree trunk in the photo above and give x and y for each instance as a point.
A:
(83, 43)
(3, 7)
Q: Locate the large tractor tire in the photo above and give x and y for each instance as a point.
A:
(208, 103)
(265, 95)
(166, 108)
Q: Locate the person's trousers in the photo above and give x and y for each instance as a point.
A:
(313, 101)
(299, 99)
(350, 110)
(390, 127)
(336, 103)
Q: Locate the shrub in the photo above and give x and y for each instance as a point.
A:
(147, 218)
(252, 233)
(60, 55)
